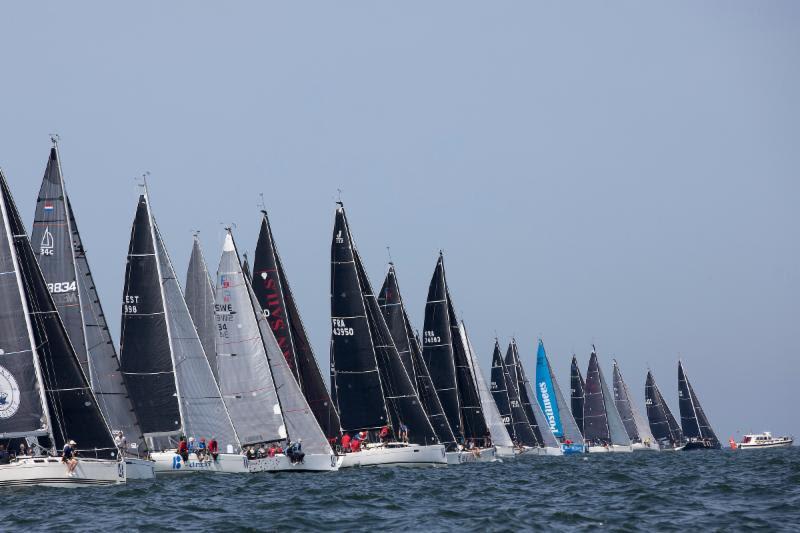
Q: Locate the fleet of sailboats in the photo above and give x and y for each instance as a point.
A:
(228, 362)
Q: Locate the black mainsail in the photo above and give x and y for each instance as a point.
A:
(694, 422)
(372, 387)
(394, 312)
(520, 430)
(522, 386)
(437, 349)
(634, 425)
(199, 294)
(578, 394)
(78, 302)
(662, 424)
(500, 390)
(277, 301)
(32, 326)
(472, 415)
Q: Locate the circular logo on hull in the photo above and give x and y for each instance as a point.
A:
(9, 394)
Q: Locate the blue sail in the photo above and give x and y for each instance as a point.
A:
(546, 393)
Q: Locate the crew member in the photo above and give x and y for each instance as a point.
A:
(68, 457)
(183, 450)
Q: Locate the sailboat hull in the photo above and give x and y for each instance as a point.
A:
(505, 452)
(51, 472)
(311, 463)
(573, 449)
(169, 462)
(614, 448)
(700, 445)
(140, 468)
(412, 455)
(645, 447)
(485, 455)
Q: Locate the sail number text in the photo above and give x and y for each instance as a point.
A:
(340, 328)
(64, 286)
(131, 304)
(430, 337)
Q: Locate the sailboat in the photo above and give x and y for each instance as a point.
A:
(507, 400)
(548, 444)
(603, 429)
(275, 298)
(446, 357)
(410, 352)
(554, 407)
(199, 295)
(696, 429)
(65, 267)
(638, 431)
(45, 397)
(663, 426)
(165, 367)
(577, 393)
(501, 439)
(262, 395)
(369, 384)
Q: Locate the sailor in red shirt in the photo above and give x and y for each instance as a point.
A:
(384, 434)
(355, 445)
(346, 442)
(183, 450)
(213, 448)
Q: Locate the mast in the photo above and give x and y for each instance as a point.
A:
(693, 418)
(396, 317)
(569, 428)
(438, 349)
(355, 377)
(37, 385)
(624, 406)
(500, 390)
(475, 426)
(523, 429)
(245, 377)
(163, 300)
(70, 404)
(662, 424)
(276, 299)
(533, 414)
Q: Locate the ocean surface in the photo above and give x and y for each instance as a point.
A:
(721, 490)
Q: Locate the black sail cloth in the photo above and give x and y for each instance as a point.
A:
(276, 299)
(144, 343)
(662, 424)
(578, 394)
(694, 422)
(394, 312)
(73, 408)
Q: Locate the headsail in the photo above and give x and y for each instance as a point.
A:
(662, 424)
(245, 378)
(396, 317)
(200, 300)
(577, 395)
(276, 299)
(53, 226)
(552, 401)
(494, 422)
(71, 411)
(693, 419)
(634, 424)
(521, 430)
(602, 422)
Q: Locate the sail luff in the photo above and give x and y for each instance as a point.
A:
(36, 385)
(199, 295)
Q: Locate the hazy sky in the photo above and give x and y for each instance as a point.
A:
(624, 173)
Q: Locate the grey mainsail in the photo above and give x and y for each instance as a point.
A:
(634, 424)
(200, 300)
(203, 410)
(245, 378)
(494, 421)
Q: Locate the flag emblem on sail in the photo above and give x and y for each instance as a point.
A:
(48, 206)
(225, 282)
(9, 394)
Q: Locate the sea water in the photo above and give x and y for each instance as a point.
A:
(727, 490)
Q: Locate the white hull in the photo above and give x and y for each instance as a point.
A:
(411, 455)
(506, 452)
(614, 448)
(550, 451)
(140, 468)
(51, 472)
(484, 455)
(642, 447)
(311, 463)
(170, 462)
(784, 444)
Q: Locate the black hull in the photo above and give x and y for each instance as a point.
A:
(690, 446)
